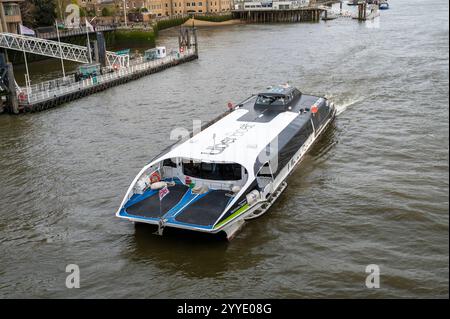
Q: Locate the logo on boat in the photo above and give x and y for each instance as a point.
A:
(222, 145)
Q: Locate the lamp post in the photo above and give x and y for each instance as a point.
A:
(125, 12)
(60, 49)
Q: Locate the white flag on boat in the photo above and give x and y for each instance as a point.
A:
(163, 192)
(26, 31)
(89, 26)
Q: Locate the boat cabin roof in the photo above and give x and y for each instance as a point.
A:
(244, 134)
(280, 90)
(278, 98)
(155, 49)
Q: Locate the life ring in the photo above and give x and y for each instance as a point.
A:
(23, 96)
(181, 49)
(154, 178)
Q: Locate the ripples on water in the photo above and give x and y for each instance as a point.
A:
(373, 190)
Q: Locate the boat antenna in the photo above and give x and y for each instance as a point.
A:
(214, 141)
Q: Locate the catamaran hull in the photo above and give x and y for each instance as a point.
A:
(234, 225)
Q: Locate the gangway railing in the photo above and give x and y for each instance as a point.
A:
(74, 32)
(49, 90)
(55, 49)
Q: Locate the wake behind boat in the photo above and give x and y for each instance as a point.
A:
(233, 170)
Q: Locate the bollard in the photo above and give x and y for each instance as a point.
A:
(12, 98)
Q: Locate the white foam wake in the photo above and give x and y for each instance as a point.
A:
(341, 107)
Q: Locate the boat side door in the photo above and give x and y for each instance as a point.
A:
(265, 179)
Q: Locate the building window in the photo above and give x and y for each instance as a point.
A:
(11, 9)
(200, 4)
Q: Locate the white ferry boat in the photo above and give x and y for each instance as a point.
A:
(234, 169)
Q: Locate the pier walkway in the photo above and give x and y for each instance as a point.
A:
(270, 15)
(52, 93)
(74, 32)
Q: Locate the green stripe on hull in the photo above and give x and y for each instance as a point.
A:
(236, 213)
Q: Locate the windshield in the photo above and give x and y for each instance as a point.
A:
(212, 171)
(270, 100)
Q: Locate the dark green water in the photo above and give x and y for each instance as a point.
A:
(374, 190)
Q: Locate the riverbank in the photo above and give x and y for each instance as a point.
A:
(202, 23)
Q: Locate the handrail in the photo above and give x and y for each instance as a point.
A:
(42, 91)
(56, 49)
(73, 32)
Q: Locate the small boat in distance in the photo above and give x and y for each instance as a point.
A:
(234, 169)
(329, 15)
(384, 5)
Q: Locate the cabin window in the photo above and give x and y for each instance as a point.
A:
(170, 162)
(270, 100)
(213, 171)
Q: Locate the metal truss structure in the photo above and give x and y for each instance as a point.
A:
(56, 49)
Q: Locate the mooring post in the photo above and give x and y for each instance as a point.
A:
(194, 31)
(96, 52)
(101, 49)
(188, 36)
(12, 98)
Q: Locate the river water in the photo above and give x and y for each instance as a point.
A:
(374, 190)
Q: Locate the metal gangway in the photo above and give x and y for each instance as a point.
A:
(49, 90)
(55, 49)
(74, 32)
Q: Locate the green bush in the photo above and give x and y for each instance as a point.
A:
(106, 12)
(214, 18)
(142, 38)
(165, 24)
(134, 38)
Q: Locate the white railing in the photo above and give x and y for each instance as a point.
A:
(42, 92)
(56, 49)
(73, 32)
(52, 84)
